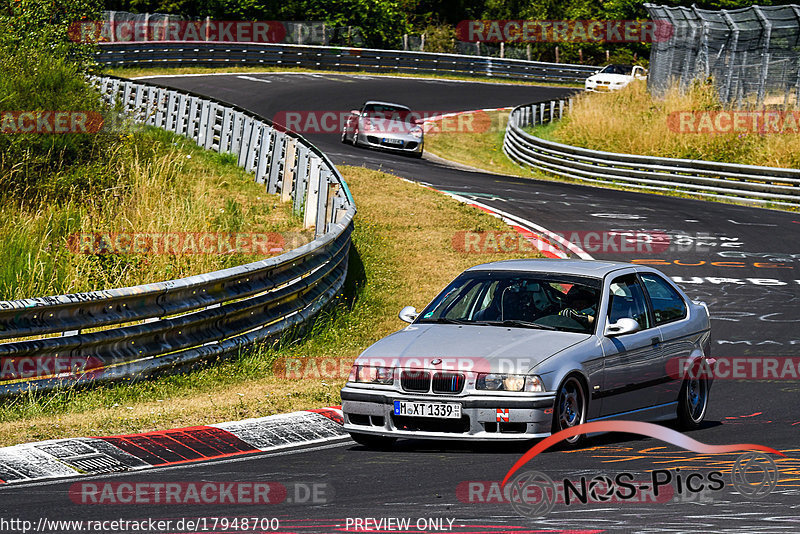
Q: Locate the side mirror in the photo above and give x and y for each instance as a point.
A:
(409, 314)
(622, 327)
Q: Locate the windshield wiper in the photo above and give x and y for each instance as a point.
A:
(445, 320)
(522, 324)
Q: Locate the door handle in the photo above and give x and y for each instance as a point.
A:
(655, 341)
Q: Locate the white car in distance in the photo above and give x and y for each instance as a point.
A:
(614, 77)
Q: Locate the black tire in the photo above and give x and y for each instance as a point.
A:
(570, 409)
(693, 399)
(373, 442)
(417, 155)
(344, 135)
(355, 138)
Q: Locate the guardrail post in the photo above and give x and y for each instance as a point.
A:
(252, 146)
(203, 127)
(161, 97)
(263, 154)
(193, 118)
(560, 109)
(322, 202)
(541, 113)
(309, 218)
(225, 131)
(278, 141)
(289, 162)
(212, 122)
(183, 103)
(301, 181)
(236, 134)
(244, 145)
(552, 111)
(151, 106)
(172, 112)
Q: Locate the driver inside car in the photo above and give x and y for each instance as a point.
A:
(580, 304)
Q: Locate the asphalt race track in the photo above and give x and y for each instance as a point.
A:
(743, 262)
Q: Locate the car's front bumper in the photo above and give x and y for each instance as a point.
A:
(410, 144)
(483, 418)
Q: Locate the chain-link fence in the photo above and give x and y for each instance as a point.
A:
(751, 55)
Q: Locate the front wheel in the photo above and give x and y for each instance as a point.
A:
(373, 442)
(693, 399)
(570, 409)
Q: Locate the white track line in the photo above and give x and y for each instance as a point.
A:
(572, 247)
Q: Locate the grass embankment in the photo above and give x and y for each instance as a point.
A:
(399, 258)
(631, 121)
(154, 183)
(484, 149)
(136, 72)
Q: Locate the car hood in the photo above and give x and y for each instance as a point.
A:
(478, 348)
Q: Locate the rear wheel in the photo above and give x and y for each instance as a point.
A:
(355, 138)
(693, 398)
(570, 409)
(373, 442)
(344, 135)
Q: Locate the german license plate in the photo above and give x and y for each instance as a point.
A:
(390, 141)
(440, 410)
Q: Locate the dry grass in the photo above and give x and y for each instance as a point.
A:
(405, 258)
(164, 184)
(480, 147)
(631, 121)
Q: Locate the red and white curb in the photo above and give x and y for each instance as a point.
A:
(70, 457)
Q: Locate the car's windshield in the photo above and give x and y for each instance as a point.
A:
(531, 300)
(618, 69)
(384, 111)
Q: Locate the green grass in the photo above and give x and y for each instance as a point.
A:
(156, 183)
(484, 151)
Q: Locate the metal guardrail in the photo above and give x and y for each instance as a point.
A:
(210, 54)
(134, 332)
(747, 183)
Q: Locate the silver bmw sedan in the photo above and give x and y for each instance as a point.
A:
(520, 349)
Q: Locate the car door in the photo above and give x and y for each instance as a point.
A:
(670, 315)
(632, 362)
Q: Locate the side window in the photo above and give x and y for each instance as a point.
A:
(627, 300)
(667, 304)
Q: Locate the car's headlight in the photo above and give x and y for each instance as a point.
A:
(368, 374)
(509, 382)
(416, 131)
